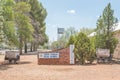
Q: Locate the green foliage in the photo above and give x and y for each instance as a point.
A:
(58, 44)
(23, 25)
(55, 45)
(10, 33)
(1, 21)
(92, 50)
(105, 27)
(22, 21)
(71, 40)
(113, 43)
(86, 31)
(84, 49)
(8, 24)
(38, 14)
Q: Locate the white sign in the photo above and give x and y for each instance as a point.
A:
(72, 54)
(49, 55)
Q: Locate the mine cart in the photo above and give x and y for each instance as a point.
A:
(12, 56)
(103, 55)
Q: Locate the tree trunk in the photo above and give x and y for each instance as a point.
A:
(110, 58)
(20, 51)
(36, 46)
(31, 47)
(20, 46)
(25, 47)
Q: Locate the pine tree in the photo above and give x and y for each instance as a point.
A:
(105, 27)
(1, 20)
(38, 14)
(23, 25)
(71, 40)
(9, 30)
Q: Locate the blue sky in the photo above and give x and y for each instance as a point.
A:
(75, 13)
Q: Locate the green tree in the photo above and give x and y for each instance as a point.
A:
(23, 25)
(38, 14)
(71, 40)
(8, 23)
(105, 28)
(92, 50)
(54, 45)
(86, 31)
(82, 48)
(1, 20)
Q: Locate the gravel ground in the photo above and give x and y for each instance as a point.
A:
(29, 70)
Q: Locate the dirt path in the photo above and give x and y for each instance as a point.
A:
(29, 70)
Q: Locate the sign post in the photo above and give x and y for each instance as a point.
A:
(72, 54)
(59, 31)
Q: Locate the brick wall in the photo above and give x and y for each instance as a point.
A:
(64, 58)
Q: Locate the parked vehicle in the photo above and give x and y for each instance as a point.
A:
(12, 56)
(102, 55)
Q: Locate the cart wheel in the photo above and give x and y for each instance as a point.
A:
(14, 61)
(97, 60)
(10, 61)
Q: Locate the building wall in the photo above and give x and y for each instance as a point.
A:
(117, 49)
(64, 58)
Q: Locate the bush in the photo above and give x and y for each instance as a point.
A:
(84, 49)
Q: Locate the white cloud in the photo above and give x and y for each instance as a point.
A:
(71, 11)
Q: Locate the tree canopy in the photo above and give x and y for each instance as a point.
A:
(22, 22)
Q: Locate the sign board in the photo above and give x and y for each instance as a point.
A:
(60, 30)
(72, 54)
(49, 55)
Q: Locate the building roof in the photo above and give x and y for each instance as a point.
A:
(92, 34)
(116, 28)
